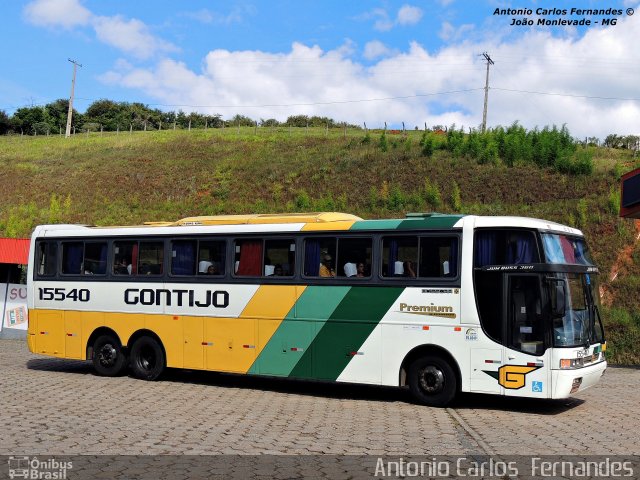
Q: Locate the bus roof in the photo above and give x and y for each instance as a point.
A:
(291, 222)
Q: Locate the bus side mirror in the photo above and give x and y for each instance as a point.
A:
(558, 304)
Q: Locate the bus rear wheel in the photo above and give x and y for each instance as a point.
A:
(109, 359)
(432, 381)
(147, 358)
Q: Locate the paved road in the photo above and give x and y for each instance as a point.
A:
(59, 407)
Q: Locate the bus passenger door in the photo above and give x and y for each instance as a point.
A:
(525, 370)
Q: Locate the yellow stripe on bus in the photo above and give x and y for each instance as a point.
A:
(339, 225)
(203, 343)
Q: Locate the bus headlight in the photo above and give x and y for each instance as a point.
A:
(569, 363)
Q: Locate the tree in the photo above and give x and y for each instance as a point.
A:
(25, 119)
(56, 115)
(5, 122)
(242, 120)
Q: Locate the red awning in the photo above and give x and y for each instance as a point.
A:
(14, 250)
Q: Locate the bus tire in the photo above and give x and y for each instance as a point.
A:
(147, 358)
(109, 359)
(432, 381)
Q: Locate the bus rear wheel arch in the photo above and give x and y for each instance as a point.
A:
(147, 357)
(107, 354)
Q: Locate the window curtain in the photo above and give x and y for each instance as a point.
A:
(553, 248)
(567, 250)
(521, 249)
(183, 261)
(134, 260)
(580, 253)
(393, 257)
(485, 253)
(250, 258)
(312, 258)
(73, 258)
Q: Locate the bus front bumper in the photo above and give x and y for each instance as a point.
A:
(568, 382)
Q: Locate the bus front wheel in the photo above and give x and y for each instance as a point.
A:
(109, 359)
(147, 359)
(432, 381)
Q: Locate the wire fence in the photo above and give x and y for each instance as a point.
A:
(328, 130)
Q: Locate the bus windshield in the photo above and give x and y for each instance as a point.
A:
(581, 324)
(565, 249)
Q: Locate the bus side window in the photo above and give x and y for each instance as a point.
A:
(183, 257)
(47, 258)
(319, 257)
(95, 259)
(124, 258)
(399, 256)
(72, 258)
(438, 257)
(354, 252)
(151, 258)
(248, 258)
(279, 258)
(211, 257)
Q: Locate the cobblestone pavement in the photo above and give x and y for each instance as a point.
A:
(59, 407)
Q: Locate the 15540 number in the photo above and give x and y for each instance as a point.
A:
(61, 294)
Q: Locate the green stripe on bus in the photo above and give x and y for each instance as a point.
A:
(293, 337)
(342, 335)
(376, 225)
(433, 222)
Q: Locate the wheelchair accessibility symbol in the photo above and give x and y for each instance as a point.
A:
(536, 387)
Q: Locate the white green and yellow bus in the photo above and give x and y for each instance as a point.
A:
(437, 303)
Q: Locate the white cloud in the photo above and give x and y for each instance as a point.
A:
(450, 33)
(57, 13)
(236, 15)
(376, 49)
(131, 36)
(308, 80)
(408, 15)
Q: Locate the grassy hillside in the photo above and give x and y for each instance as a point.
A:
(126, 179)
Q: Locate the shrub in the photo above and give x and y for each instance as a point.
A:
(396, 199)
(427, 145)
(302, 200)
(613, 202)
(432, 194)
(383, 143)
(489, 153)
(456, 202)
(581, 210)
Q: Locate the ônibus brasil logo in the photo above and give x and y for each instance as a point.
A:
(37, 469)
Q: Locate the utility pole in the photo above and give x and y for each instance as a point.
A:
(486, 92)
(73, 84)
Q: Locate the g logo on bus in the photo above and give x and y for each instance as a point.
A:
(512, 377)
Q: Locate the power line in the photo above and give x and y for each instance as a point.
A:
(556, 94)
(336, 102)
(404, 97)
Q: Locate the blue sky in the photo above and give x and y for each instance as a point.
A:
(348, 60)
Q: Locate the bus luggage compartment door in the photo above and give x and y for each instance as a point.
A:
(50, 334)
